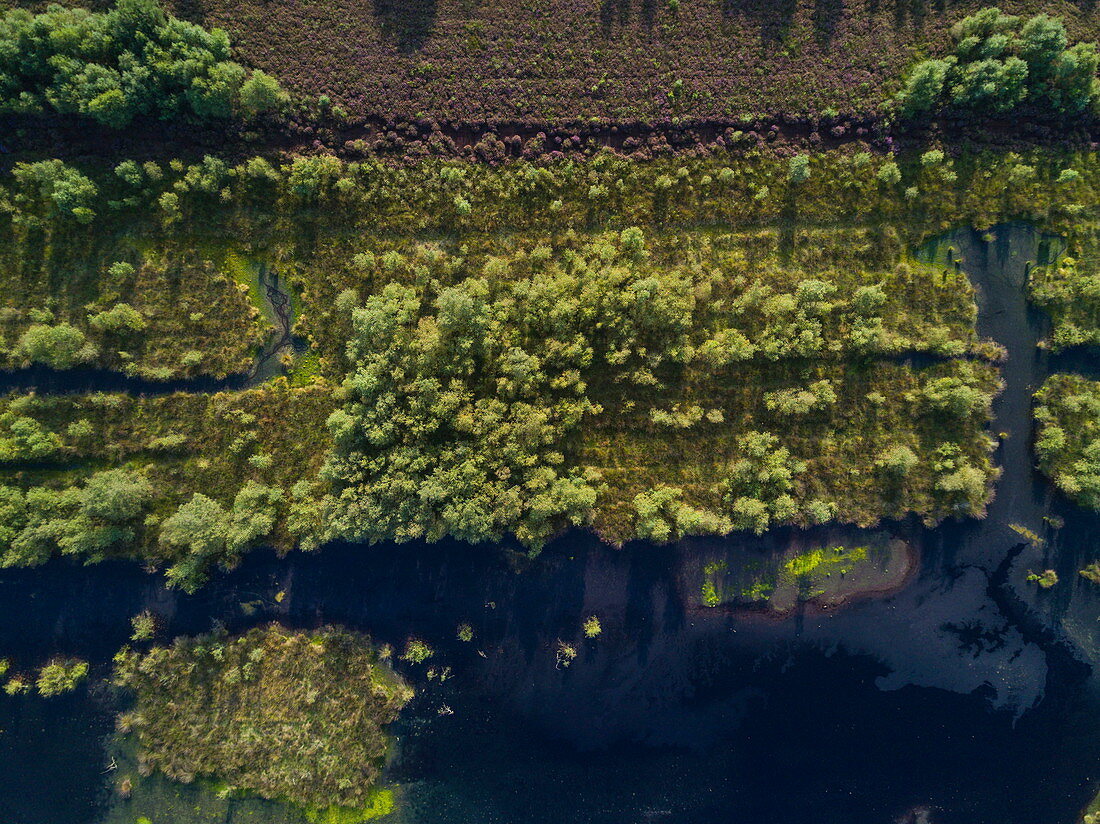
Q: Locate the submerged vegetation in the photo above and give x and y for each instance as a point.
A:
(825, 575)
(293, 716)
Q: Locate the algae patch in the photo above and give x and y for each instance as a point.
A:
(827, 575)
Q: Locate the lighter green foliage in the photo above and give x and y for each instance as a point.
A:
(59, 677)
(662, 516)
(62, 346)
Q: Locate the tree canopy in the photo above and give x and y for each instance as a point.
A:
(999, 63)
(132, 61)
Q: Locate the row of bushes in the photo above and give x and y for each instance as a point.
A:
(922, 194)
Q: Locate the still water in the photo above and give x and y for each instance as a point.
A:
(965, 697)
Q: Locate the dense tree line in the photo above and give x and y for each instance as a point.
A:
(132, 61)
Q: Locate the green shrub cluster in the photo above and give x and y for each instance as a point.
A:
(1067, 441)
(104, 514)
(475, 381)
(758, 489)
(207, 533)
(131, 61)
(288, 715)
(1000, 63)
(1068, 289)
(190, 493)
(56, 677)
(661, 516)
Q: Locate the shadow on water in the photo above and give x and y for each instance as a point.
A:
(268, 363)
(75, 381)
(954, 694)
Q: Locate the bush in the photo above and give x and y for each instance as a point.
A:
(59, 677)
(61, 347)
(799, 169)
(120, 319)
(64, 190)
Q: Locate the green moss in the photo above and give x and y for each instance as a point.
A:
(246, 273)
(825, 561)
(306, 369)
(381, 802)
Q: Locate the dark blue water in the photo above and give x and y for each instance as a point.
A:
(967, 695)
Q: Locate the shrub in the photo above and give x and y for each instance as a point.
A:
(61, 347)
(144, 626)
(799, 169)
(417, 651)
(120, 319)
(1046, 579)
(261, 93)
(63, 189)
(59, 677)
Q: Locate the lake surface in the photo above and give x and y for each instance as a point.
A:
(966, 697)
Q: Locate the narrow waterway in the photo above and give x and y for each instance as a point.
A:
(966, 697)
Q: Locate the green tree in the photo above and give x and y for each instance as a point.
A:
(261, 93)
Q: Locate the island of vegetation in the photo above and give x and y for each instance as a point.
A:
(458, 379)
(295, 716)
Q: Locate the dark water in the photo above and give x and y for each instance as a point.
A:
(968, 693)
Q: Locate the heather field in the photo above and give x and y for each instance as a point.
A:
(615, 62)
